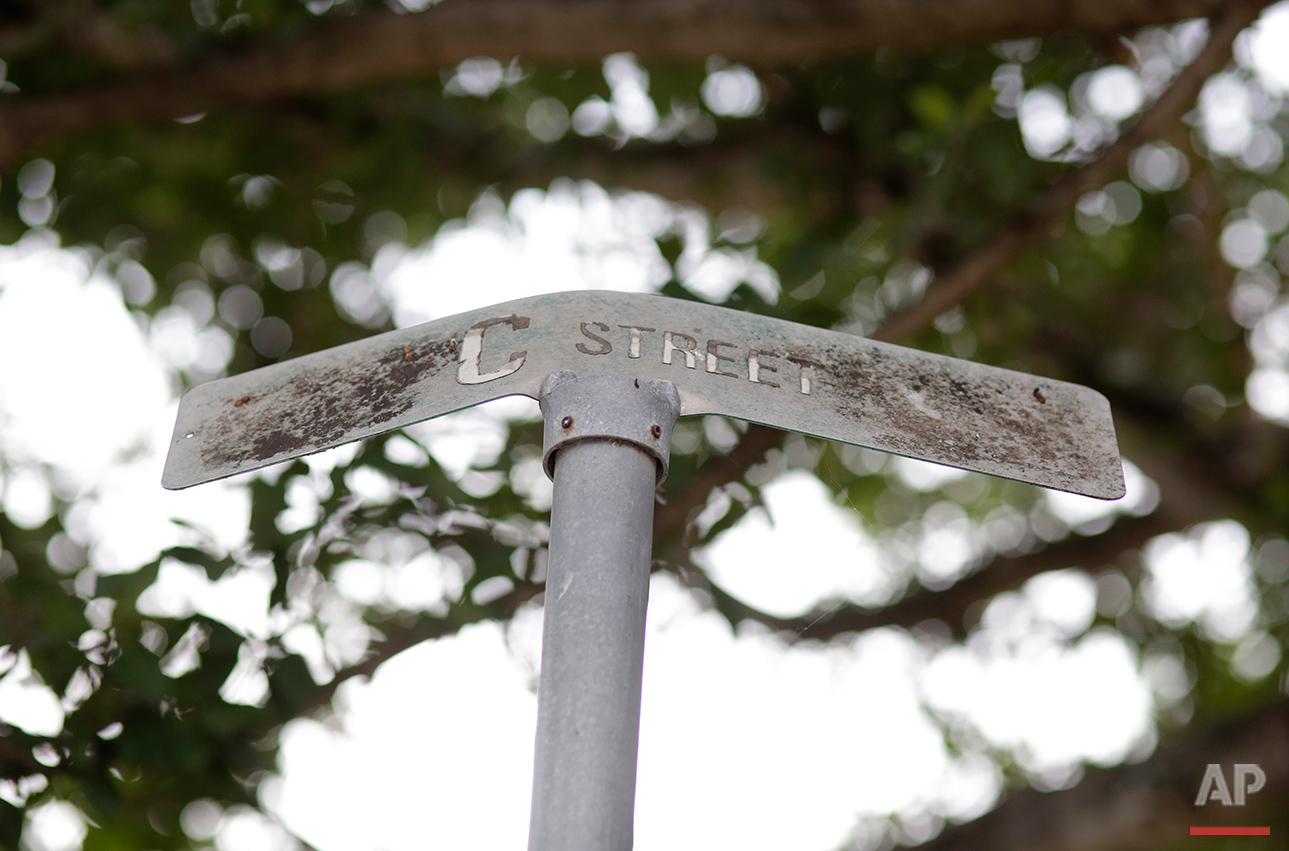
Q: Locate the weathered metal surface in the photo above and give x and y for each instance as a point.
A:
(605, 442)
(789, 376)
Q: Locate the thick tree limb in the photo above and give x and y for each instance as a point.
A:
(381, 652)
(399, 637)
(674, 516)
(984, 264)
(381, 47)
(1144, 805)
(954, 605)
(90, 31)
(1191, 493)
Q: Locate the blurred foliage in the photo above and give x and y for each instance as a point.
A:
(866, 176)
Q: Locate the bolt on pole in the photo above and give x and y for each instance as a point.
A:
(606, 447)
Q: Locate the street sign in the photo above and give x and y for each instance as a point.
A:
(643, 361)
(794, 377)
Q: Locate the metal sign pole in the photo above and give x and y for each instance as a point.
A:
(606, 446)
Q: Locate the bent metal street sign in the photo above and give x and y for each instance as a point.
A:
(794, 377)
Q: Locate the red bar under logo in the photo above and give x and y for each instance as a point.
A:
(1230, 831)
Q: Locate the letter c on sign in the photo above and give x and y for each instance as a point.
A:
(472, 351)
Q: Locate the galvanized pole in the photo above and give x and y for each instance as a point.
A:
(607, 443)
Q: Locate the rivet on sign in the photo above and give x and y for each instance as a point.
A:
(566, 423)
(656, 431)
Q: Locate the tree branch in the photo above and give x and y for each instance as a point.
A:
(400, 637)
(1191, 493)
(1143, 805)
(381, 47)
(954, 605)
(983, 265)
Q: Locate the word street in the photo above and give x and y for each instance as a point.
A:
(718, 357)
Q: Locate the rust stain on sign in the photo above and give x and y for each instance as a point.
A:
(966, 417)
(311, 407)
(817, 382)
(318, 407)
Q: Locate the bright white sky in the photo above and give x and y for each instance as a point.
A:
(744, 742)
